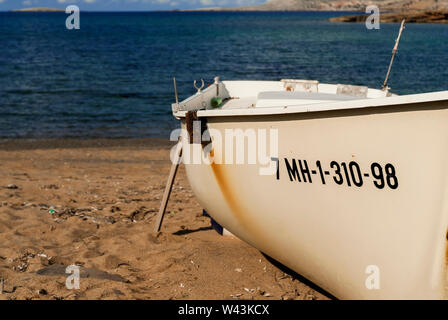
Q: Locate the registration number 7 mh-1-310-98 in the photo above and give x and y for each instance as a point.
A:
(342, 173)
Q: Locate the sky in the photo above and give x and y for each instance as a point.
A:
(125, 5)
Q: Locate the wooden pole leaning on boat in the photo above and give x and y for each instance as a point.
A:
(169, 184)
(385, 87)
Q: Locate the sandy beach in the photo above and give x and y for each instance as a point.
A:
(92, 203)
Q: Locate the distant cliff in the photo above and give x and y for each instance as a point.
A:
(38, 10)
(354, 5)
(342, 5)
(440, 16)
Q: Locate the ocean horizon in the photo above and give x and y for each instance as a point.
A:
(113, 77)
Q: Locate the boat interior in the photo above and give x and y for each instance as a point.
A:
(231, 95)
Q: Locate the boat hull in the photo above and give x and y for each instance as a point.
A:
(380, 234)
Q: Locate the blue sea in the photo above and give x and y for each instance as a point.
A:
(113, 77)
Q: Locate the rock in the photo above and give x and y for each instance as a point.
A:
(115, 209)
(42, 292)
(12, 186)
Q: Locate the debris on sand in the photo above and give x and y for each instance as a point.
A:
(42, 292)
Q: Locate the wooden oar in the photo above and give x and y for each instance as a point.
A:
(169, 186)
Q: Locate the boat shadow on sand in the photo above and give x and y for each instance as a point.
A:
(298, 277)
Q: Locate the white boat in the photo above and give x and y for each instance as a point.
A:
(357, 201)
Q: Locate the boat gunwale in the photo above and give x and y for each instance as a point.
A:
(420, 98)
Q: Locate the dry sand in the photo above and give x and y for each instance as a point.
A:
(105, 194)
